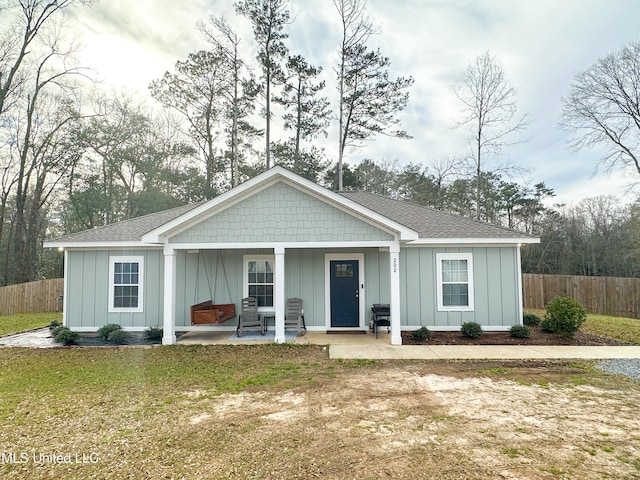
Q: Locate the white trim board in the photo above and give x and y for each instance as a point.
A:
(271, 246)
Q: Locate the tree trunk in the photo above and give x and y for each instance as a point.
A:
(267, 131)
(296, 154)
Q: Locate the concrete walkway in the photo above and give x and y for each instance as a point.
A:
(478, 352)
(40, 338)
(368, 347)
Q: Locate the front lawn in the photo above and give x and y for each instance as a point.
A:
(26, 321)
(289, 412)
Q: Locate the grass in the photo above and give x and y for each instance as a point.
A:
(103, 400)
(26, 321)
(154, 372)
(619, 328)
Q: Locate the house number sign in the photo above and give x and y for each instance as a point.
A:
(395, 264)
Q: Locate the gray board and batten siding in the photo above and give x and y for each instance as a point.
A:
(495, 284)
(495, 280)
(87, 297)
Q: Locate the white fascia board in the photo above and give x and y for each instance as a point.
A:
(282, 245)
(100, 245)
(261, 182)
(471, 241)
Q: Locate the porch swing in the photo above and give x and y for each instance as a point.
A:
(207, 313)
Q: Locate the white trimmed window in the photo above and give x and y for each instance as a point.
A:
(258, 279)
(125, 284)
(455, 281)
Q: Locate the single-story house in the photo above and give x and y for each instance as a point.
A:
(280, 236)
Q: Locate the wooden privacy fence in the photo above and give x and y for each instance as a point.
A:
(605, 295)
(31, 297)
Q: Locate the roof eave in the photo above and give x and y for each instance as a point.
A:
(99, 244)
(475, 241)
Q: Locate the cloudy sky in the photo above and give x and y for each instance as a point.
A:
(541, 43)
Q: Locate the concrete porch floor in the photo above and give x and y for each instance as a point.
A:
(310, 338)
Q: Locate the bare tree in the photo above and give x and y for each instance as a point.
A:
(43, 158)
(368, 99)
(489, 111)
(16, 41)
(38, 115)
(603, 108)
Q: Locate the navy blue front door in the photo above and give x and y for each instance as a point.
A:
(344, 283)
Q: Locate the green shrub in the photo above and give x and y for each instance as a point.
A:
(53, 324)
(422, 334)
(105, 330)
(65, 336)
(520, 331)
(471, 330)
(564, 317)
(55, 330)
(153, 333)
(118, 336)
(531, 319)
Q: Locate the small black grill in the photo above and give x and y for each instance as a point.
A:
(380, 316)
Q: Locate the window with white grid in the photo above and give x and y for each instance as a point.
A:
(455, 281)
(125, 284)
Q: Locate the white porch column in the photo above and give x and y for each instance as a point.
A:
(169, 311)
(279, 293)
(394, 275)
(65, 288)
(519, 284)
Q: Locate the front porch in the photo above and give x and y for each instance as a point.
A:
(329, 278)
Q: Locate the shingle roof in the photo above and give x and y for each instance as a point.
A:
(130, 230)
(429, 222)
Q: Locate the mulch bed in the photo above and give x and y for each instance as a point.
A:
(538, 337)
(92, 340)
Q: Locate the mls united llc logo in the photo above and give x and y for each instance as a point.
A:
(10, 458)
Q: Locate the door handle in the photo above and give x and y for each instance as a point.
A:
(357, 294)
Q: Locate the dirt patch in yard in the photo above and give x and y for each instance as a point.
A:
(440, 422)
(538, 337)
